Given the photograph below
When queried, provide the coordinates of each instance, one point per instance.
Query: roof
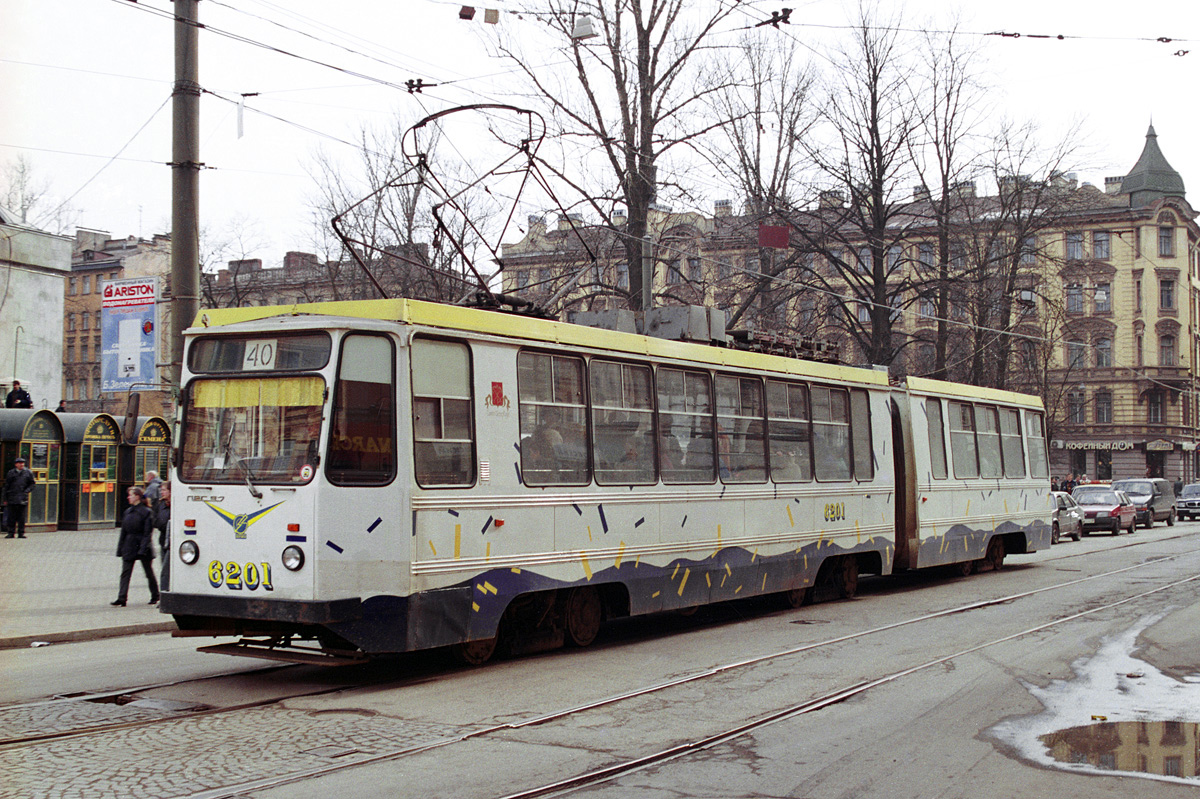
(1152, 177)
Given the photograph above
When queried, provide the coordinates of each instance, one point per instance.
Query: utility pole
(185, 181)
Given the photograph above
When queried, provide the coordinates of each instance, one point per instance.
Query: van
(1154, 498)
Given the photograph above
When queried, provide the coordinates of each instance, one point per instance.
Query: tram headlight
(293, 558)
(189, 553)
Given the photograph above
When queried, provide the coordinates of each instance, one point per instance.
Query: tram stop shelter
(89, 473)
(148, 451)
(36, 436)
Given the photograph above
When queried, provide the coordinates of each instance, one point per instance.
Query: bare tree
(632, 96)
(29, 197)
(862, 155)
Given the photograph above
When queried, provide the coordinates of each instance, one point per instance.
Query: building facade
(34, 266)
(97, 258)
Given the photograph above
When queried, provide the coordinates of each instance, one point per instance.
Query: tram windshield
(261, 429)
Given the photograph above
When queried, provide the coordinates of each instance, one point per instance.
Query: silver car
(1188, 501)
(1068, 517)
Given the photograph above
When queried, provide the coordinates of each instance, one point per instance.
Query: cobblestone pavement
(66, 715)
(189, 755)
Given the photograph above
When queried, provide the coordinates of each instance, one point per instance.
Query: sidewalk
(56, 587)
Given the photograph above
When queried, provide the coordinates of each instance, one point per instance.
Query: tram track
(678, 750)
(393, 682)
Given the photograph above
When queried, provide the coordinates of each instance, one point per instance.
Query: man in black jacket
(18, 397)
(18, 484)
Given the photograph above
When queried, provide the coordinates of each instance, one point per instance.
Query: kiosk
(149, 451)
(36, 436)
(89, 493)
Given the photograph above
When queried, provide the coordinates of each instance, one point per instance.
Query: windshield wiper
(254, 492)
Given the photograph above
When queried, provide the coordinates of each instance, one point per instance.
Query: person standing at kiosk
(18, 484)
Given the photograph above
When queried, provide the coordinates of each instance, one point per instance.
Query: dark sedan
(1105, 509)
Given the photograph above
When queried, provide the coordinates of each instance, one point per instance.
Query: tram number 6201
(236, 576)
(835, 512)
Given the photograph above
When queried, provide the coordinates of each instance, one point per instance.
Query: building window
(894, 254)
(674, 276)
(1029, 354)
(1104, 353)
(1074, 246)
(925, 255)
(1154, 409)
(808, 309)
(1101, 245)
(1074, 298)
(1166, 351)
(623, 276)
(1166, 294)
(864, 313)
(1103, 407)
(1076, 355)
(72, 286)
(83, 351)
(724, 270)
(1029, 250)
(693, 273)
(87, 284)
(1137, 295)
(70, 323)
(98, 320)
(1103, 298)
(1166, 245)
(1137, 347)
(85, 320)
(927, 307)
(864, 261)
(71, 353)
(1076, 408)
(523, 278)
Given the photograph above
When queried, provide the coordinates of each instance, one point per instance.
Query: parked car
(1188, 501)
(1154, 498)
(1068, 517)
(1105, 508)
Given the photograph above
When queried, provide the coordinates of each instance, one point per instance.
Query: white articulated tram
(364, 478)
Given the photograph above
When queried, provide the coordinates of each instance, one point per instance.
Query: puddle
(1118, 713)
(1146, 747)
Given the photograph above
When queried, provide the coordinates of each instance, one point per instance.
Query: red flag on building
(773, 236)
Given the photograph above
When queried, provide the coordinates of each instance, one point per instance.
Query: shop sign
(1161, 445)
(1116, 446)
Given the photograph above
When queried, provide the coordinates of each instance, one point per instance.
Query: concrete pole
(185, 181)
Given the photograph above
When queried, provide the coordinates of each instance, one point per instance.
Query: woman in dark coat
(136, 544)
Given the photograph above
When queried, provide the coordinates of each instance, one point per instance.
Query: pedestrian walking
(62, 407)
(162, 521)
(18, 397)
(136, 544)
(18, 485)
(153, 485)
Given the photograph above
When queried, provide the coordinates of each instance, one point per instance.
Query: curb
(24, 641)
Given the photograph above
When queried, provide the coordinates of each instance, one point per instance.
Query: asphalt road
(922, 686)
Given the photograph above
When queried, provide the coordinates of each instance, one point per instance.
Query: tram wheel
(964, 568)
(847, 576)
(795, 597)
(583, 615)
(995, 554)
(476, 653)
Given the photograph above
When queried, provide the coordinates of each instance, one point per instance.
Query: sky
(85, 88)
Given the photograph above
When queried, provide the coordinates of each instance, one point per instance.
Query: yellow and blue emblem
(240, 521)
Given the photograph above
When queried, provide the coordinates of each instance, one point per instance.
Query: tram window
(1035, 439)
(443, 437)
(987, 432)
(937, 438)
(860, 431)
(788, 430)
(553, 419)
(741, 450)
(304, 351)
(685, 427)
(622, 423)
(831, 433)
(364, 419)
(962, 440)
(1010, 443)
